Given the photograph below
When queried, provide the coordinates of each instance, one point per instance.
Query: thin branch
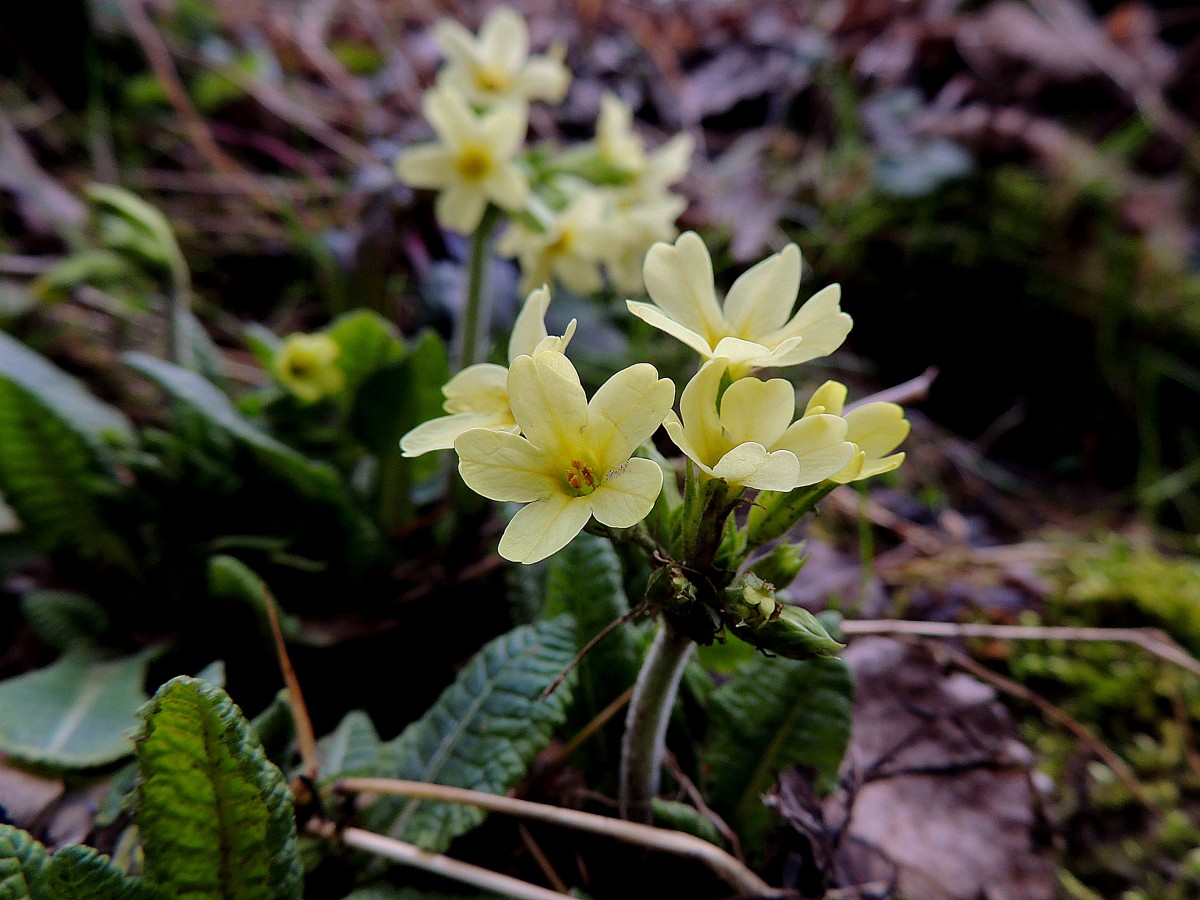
(304, 729)
(601, 719)
(912, 391)
(540, 858)
(686, 845)
(1151, 640)
(587, 648)
(408, 854)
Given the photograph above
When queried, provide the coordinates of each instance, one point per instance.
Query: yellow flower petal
(820, 322)
(482, 387)
(544, 527)
(503, 129)
(625, 411)
(830, 397)
(460, 207)
(819, 444)
(628, 494)
(655, 317)
(543, 78)
(754, 410)
(761, 298)
(683, 441)
(426, 166)
(440, 433)
(877, 428)
(530, 328)
(750, 464)
(548, 401)
(698, 409)
(504, 39)
(447, 111)
(679, 279)
(503, 466)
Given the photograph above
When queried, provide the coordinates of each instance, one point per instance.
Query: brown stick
(724, 865)
(304, 730)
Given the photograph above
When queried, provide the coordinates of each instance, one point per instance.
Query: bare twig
(601, 719)
(587, 648)
(698, 801)
(1151, 640)
(304, 729)
(912, 391)
(408, 854)
(540, 858)
(159, 57)
(686, 845)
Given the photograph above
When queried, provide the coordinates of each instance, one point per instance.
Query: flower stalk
(476, 313)
(646, 722)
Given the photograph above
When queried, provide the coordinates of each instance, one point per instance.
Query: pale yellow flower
(635, 228)
(749, 438)
(752, 329)
(477, 397)
(876, 429)
(306, 364)
(496, 67)
(618, 145)
(473, 162)
(569, 250)
(574, 460)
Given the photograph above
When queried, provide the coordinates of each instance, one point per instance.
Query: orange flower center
(581, 478)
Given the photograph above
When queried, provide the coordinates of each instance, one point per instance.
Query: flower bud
(757, 617)
(781, 565)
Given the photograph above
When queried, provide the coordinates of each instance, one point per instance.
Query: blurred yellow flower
(472, 163)
(496, 67)
(306, 364)
(749, 438)
(574, 460)
(752, 329)
(619, 146)
(477, 397)
(569, 250)
(876, 429)
(634, 227)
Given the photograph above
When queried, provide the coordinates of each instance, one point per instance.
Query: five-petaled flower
(876, 429)
(477, 397)
(569, 249)
(573, 459)
(496, 67)
(748, 437)
(306, 364)
(473, 162)
(752, 330)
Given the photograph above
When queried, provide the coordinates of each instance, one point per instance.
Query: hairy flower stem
(473, 324)
(646, 722)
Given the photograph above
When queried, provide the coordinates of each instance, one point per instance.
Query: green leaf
(218, 411)
(773, 714)
(368, 342)
(81, 873)
(64, 619)
(584, 579)
(353, 748)
(56, 466)
(482, 733)
(230, 577)
(215, 815)
(75, 713)
(263, 343)
(682, 817)
(23, 864)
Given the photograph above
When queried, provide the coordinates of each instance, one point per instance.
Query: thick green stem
(646, 723)
(473, 325)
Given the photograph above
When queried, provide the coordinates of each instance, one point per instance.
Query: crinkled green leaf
(75, 713)
(230, 577)
(64, 619)
(353, 748)
(482, 733)
(56, 465)
(771, 715)
(686, 818)
(215, 814)
(218, 411)
(82, 873)
(23, 863)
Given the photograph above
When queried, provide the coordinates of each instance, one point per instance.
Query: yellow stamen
(474, 163)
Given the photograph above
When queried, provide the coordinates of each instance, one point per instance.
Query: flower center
(581, 478)
(561, 244)
(495, 80)
(473, 163)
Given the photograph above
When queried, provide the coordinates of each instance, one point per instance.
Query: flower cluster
(575, 216)
(528, 433)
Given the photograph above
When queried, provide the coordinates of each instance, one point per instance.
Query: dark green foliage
(56, 466)
(482, 733)
(75, 713)
(773, 714)
(81, 873)
(353, 748)
(23, 863)
(215, 815)
(64, 619)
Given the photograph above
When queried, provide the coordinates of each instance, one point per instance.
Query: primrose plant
(530, 435)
